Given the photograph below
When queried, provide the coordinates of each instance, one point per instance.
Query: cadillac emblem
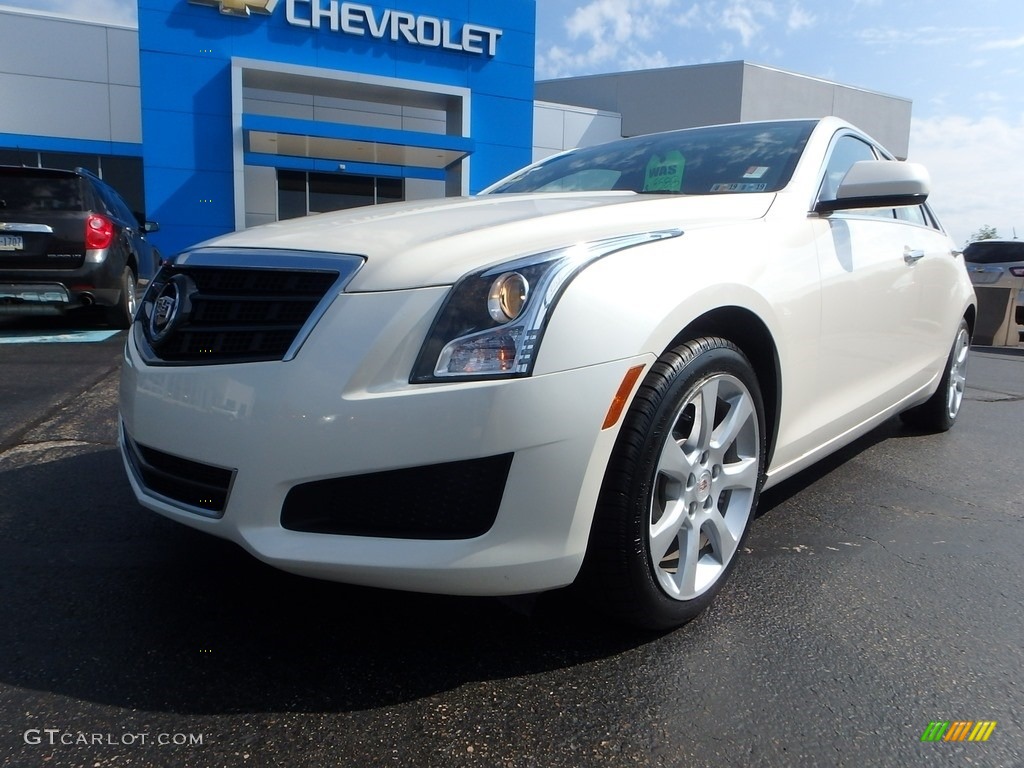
(171, 307)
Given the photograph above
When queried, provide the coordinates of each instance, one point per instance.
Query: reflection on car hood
(410, 245)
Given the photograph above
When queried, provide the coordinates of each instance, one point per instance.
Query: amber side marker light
(622, 396)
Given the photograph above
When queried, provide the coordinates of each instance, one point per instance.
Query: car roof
(24, 170)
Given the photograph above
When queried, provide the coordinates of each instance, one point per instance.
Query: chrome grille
(216, 307)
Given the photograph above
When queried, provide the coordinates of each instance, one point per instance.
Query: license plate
(11, 242)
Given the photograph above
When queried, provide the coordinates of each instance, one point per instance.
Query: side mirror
(879, 184)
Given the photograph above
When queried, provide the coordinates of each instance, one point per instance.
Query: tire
(681, 487)
(121, 314)
(938, 413)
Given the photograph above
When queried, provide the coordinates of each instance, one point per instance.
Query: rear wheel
(120, 315)
(681, 487)
(939, 412)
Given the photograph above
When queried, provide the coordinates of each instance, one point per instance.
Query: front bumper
(343, 408)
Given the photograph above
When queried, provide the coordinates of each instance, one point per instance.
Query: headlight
(508, 297)
(491, 324)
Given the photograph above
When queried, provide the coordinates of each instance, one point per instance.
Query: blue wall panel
(186, 51)
(196, 198)
(188, 141)
(190, 85)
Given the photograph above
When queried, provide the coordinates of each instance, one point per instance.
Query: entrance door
(300, 193)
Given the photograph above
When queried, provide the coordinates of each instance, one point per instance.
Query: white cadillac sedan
(585, 374)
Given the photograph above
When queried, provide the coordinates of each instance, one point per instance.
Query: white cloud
(605, 35)
(611, 33)
(745, 17)
(800, 19)
(924, 36)
(1002, 45)
(989, 98)
(601, 20)
(641, 60)
(972, 163)
(620, 20)
(690, 18)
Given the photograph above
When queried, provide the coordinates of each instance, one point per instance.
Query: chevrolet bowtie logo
(242, 8)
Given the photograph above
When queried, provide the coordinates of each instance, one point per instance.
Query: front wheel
(938, 413)
(681, 487)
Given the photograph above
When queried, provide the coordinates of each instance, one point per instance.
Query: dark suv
(68, 240)
(999, 264)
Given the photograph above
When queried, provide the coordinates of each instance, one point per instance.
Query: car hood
(417, 244)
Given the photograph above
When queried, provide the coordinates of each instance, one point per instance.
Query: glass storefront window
(291, 194)
(300, 193)
(335, 192)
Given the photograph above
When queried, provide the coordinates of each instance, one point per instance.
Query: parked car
(996, 263)
(585, 374)
(68, 240)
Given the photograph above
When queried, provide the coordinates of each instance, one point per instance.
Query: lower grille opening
(456, 500)
(189, 482)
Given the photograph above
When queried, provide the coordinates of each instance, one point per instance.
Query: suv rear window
(40, 193)
(992, 252)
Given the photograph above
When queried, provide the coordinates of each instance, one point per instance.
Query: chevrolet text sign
(364, 20)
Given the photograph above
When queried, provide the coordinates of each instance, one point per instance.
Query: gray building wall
(656, 99)
(733, 91)
(558, 127)
(772, 94)
(69, 79)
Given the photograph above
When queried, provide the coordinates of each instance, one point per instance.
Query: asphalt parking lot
(881, 591)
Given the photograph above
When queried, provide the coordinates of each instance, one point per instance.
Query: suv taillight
(99, 232)
(1017, 271)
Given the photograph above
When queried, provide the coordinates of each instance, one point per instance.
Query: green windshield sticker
(665, 175)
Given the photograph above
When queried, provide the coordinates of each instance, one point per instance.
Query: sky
(960, 62)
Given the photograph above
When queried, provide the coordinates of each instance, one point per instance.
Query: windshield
(722, 159)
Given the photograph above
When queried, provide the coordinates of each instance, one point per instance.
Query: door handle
(912, 256)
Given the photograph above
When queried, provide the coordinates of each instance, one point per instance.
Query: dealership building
(215, 115)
